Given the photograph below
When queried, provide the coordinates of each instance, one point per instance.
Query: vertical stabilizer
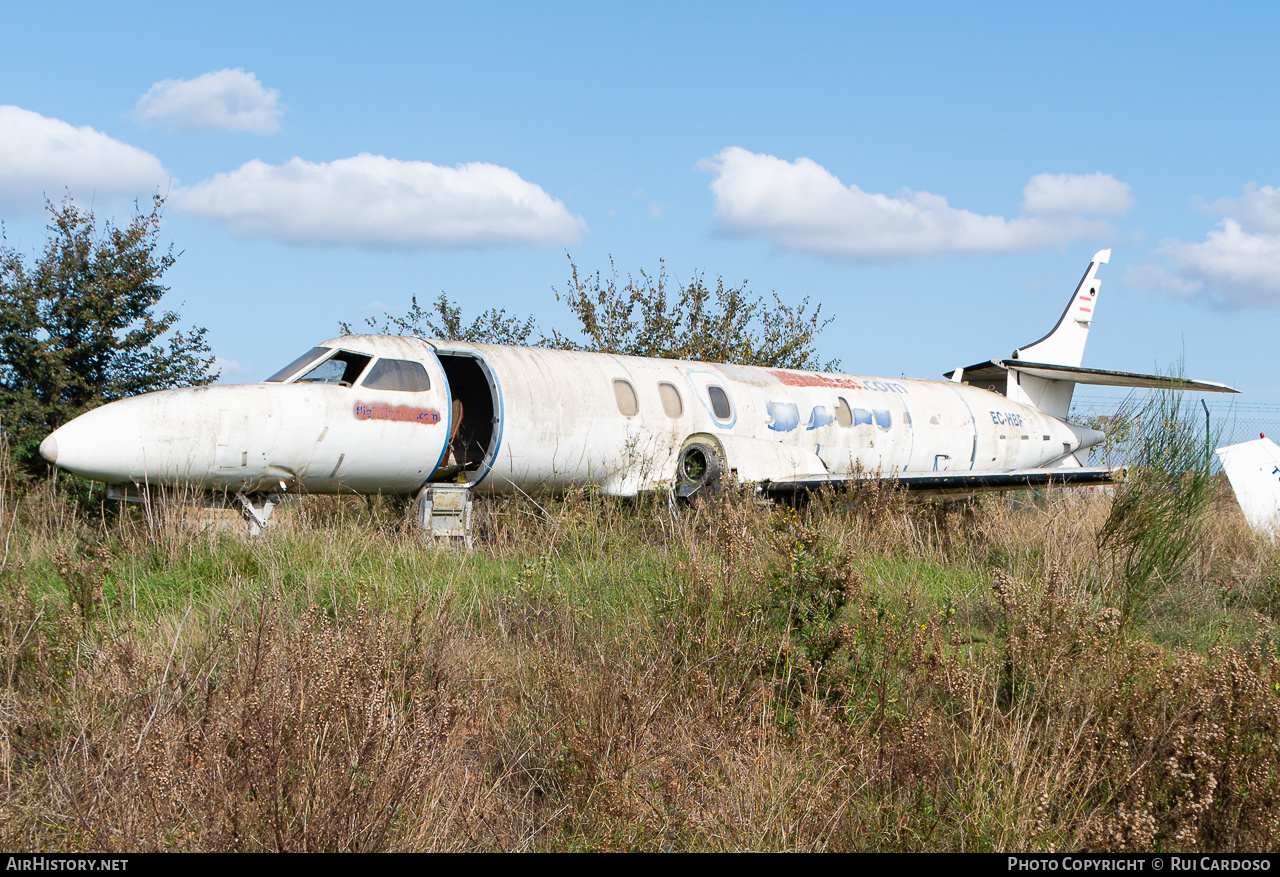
(1063, 346)
(1254, 470)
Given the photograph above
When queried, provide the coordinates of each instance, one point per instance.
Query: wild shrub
(642, 317)
(809, 584)
(1126, 746)
(309, 734)
(84, 571)
(1155, 525)
(79, 325)
(1185, 753)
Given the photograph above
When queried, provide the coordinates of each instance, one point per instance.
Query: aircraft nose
(49, 449)
(224, 436)
(97, 445)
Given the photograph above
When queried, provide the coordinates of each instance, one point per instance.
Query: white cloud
(1055, 194)
(382, 203)
(803, 206)
(48, 158)
(1258, 209)
(223, 100)
(1236, 265)
(1157, 277)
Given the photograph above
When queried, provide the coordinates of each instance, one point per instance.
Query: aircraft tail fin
(1254, 471)
(1044, 374)
(1065, 344)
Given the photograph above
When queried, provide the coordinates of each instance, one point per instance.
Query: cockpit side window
(292, 368)
(343, 368)
(398, 374)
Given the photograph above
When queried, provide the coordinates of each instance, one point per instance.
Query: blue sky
(936, 176)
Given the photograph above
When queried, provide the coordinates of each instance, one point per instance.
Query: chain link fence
(1228, 421)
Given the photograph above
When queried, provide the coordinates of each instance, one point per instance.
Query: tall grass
(1156, 521)
(860, 673)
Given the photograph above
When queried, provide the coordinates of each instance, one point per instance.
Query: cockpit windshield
(292, 368)
(343, 368)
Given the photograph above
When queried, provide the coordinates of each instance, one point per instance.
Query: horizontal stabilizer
(1107, 378)
(956, 483)
(995, 372)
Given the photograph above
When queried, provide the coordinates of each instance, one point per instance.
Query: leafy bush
(641, 317)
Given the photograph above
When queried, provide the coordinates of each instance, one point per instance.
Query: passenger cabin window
(671, 402)
(289, 370)
(343, 369)
(398, 374)
(844, 416)
(626, 396)
(719, 403)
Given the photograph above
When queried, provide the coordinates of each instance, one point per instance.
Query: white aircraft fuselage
(383, 414)
(550, 419)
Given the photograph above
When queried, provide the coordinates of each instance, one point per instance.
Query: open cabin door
(475, 419)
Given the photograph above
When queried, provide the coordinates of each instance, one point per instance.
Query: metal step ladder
(444, 513)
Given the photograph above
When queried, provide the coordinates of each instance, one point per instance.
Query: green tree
(79, 326)
(444, 320)
(697, 322)
(644, 317)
